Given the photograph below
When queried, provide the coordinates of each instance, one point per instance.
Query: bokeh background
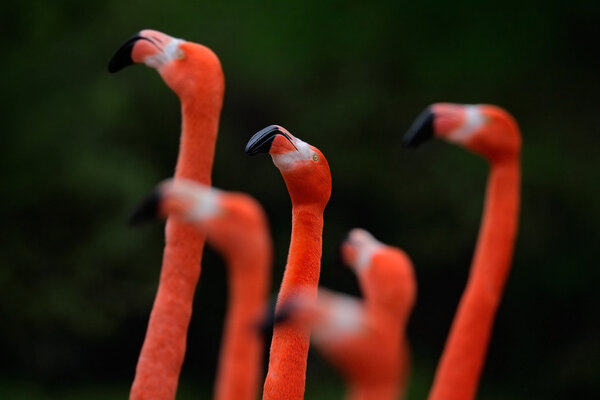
(81, 146)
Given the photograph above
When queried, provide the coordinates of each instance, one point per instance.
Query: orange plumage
(236, 226)
(365, 340)
(492, 133)
(307, 177)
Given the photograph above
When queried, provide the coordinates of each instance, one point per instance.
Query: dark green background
(80, 147)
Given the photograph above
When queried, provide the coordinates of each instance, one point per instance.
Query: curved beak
(151, 47)
(147, 209)
(122, 57)
(421, 130)
(262, 140)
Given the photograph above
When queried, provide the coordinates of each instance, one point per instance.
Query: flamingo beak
(274, 318)
(122, 57)
(262, 140)
(421, 130)
(147, 209)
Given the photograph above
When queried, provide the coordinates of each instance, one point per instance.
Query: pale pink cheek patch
(365, 247)
(302, 152)
(473, 121)
(344, 316)
(169, 52)
(203, 200)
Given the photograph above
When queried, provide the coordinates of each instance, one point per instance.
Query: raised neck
(163, 351)
(497, 234)
(462, 361)
(289, 347)
(304, 259)
(200, 121)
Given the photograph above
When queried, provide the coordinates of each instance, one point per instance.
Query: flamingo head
(304, 168)
(182, 199)
(385, 273)
(186, 67)
(233, 222)
(484, 129)
(330, 315)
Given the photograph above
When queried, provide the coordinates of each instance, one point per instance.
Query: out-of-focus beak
(151, 47)
(147, 209)
(421, 130)
(273, 318)
(122, 57)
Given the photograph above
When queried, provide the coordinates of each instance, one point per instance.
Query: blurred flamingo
(491, 132)
(194, 73)
(366, 339)
(308, 180)
(235, 225)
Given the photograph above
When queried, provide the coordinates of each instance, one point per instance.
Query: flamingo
(366, 339)
(194, 73)
(308, 180)
(491, 132)
(236, 225)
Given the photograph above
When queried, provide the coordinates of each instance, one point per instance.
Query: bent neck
(200, 120)
(289, 346)
(460, 366)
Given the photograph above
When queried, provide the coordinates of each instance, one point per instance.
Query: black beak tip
(146, 209)
(421, 130)
(261, 141)
(122, 57)
(273, 318)
(265, 326)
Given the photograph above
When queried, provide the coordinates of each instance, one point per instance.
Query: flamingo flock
(364, 339)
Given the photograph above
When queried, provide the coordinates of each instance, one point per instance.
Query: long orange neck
(289, 346)
(460, 366)
(199, 137)
(240, 363)
(162, 353)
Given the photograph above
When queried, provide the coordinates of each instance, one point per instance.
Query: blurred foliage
(80, 147)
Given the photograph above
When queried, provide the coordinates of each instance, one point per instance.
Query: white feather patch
(366, 245)
(203, 200)
(169, 52)
(343, 315)
(474, 120)
(205, 206)
(287, 160)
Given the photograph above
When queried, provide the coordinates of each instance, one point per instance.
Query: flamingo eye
(179, 54)
(315, 157)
